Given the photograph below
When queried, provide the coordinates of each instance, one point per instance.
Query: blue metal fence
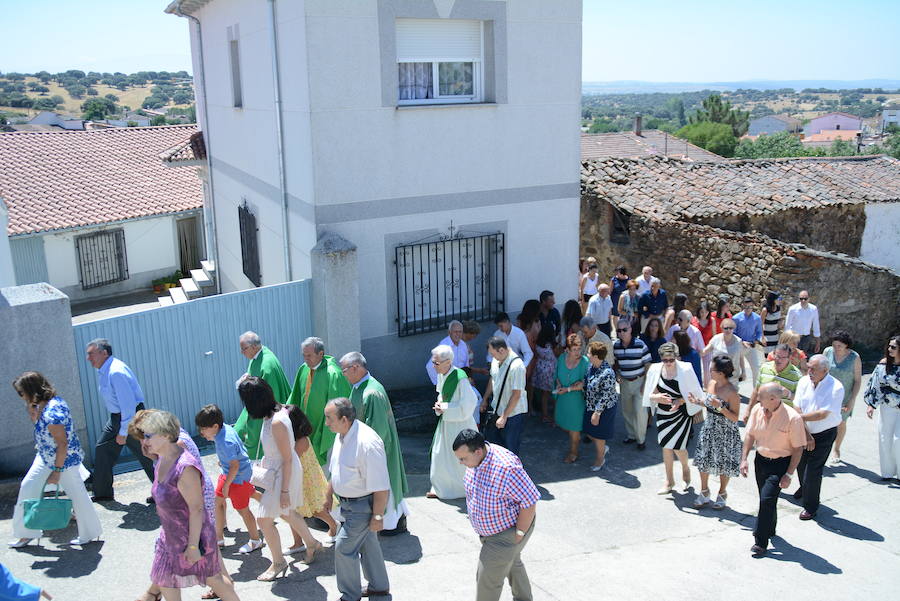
(187, 355)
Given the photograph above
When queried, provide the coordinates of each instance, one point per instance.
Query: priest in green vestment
(263, 364)
(373, 408)
(318, 380)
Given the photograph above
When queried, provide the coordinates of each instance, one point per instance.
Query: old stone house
(745, 227)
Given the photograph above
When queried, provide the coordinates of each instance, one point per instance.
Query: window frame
(234, 67)
(248, 230)
(89, 273)
(477, 96)
(619, 226)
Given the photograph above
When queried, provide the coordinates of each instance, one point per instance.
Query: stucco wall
(7, 275)
(151, 247)
(704, 262)
(832, 121)
(880, 237)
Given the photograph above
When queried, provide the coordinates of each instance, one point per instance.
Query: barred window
(452, 278)
(101, 258)
(620, 226)
(249, 244)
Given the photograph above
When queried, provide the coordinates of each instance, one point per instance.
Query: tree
(716, 110)
(92, 92)
(781, 144)
(714, 137)
(76, 90)
(892, 146)
(675, 107)
(158, 120)
(131, 124)
(153, 102)
(40, 89)
(112, 97)
(182, 97)
(842, 148)
(95, 109)
(44, 104)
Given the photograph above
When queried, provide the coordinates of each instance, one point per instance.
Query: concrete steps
(178, 296)
(165, 301)
(190, 287)
(201, 279)
(201, 283)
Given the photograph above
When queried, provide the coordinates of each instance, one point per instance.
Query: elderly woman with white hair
(454, 406)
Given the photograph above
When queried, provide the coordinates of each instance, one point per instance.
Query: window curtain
(416, 81)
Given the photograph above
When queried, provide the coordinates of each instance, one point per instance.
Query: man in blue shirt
(123, 397)
(653, 303)
(234, 481)
(748, 327)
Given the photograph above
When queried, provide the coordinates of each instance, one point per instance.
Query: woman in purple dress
(186, 551)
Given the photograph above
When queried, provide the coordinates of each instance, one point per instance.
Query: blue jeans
(509, 436)
(357, 545)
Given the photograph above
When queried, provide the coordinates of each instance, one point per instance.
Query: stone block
(335, 294)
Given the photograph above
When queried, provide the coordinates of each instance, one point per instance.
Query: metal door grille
(101, 258)
(453, 278)
(249, 244)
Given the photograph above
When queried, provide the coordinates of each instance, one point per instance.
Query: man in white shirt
(505, 395)
(818, 400)
(455, 341)
(514, 336)
(645, 280)
(360, 479)
(803, 318)
(600, 309)
(683, 322)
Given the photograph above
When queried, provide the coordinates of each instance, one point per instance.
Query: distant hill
(640, 87)
(66, 92)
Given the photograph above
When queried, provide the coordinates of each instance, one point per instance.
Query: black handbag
(491, 418)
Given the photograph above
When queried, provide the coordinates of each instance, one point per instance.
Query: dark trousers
(510, 435)
(606, 328)
(768, 475)
(107, 452)
(809, 471)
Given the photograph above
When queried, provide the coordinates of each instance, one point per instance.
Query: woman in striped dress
(771, 317)
(667, 387)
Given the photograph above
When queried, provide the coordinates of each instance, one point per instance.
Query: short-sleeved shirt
(787, 377)
(827, 395)
(631, 360)
(778, 437)
(358, 463)
(600, 308)
(56, 413)
(515, 381)
(229, 447)
(497, 490)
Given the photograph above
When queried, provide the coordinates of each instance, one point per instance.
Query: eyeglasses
(727, 328)
(349, 367)
(148, 435)
(439, 362)
(782, 357)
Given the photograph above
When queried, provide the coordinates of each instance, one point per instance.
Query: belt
(632, 379)
(761, 456)
(345, 499)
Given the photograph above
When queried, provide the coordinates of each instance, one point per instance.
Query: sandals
(702, 499)
(570, 458)
(209, 594)
(311, 553)
(720, 501)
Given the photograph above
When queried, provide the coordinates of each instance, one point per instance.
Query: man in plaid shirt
(501, 500)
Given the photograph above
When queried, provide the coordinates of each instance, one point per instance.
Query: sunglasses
(623, 329)
(668, 361)
(893, 347)
(149, 435)
(727, 328)
(804, 298)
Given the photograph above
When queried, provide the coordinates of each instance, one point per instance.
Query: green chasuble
(374, 409)
(328, 383)
(266, 366)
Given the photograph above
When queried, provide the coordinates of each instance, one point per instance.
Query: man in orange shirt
(778, 433)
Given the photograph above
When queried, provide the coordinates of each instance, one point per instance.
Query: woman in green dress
(846, 367)
(570, 370)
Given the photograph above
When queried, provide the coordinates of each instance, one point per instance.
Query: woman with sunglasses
(883, 393)
(727, 344)
(668, 384)
(58, 460)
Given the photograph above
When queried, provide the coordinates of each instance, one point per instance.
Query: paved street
(606, 536)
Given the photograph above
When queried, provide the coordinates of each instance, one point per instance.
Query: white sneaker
(251, 546)
(701, 501)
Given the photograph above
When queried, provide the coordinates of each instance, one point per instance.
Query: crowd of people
(327, 448)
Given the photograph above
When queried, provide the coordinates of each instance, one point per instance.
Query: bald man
(778, 433)
(600, 308)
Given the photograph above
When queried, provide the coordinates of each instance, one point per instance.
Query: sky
(645, 40)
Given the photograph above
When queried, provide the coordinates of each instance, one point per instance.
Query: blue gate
(188, 355)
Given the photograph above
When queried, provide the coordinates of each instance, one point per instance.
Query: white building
(98, 213)
(391, 122)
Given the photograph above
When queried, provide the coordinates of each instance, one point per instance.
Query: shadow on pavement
(781, 550)
(685, 503)
(848, 468)
(827, 518)
(401, 549)
(69, 562)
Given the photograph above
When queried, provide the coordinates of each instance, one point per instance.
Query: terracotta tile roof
(65, 179)
(829, 135)
(669, 189)
(191, 150)
(651, 142)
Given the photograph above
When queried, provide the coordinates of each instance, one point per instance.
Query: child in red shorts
(234, 482)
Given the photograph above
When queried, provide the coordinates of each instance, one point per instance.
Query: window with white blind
(440, 61)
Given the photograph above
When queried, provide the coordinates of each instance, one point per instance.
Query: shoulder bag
(491, 421)
(262, 477)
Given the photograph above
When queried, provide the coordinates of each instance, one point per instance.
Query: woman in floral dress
(600, 400)
(883, 393)
(545, 369)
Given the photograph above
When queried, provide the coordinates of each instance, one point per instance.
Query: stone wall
(704, 261)
(837, 228)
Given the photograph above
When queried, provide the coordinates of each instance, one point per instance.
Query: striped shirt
(631, 360)
(788, 377)
(497, 490)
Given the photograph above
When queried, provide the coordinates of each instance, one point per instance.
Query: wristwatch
(378, 517)
(519, 532)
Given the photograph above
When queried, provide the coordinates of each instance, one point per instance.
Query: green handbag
(50, 513)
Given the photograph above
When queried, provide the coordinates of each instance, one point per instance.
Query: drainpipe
(209, 213)
(279, 135)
